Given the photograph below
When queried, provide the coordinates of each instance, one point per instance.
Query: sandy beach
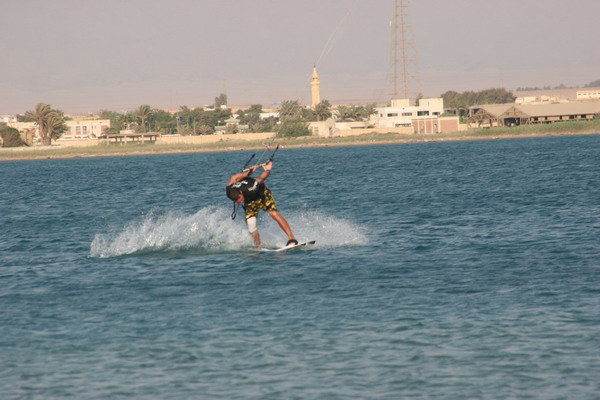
(120, 150)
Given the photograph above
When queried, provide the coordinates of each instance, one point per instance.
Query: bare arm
(242, 175)
(266, 171)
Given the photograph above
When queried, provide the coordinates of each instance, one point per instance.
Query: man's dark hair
(233, 193)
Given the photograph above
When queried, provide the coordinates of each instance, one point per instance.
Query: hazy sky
(87, 55)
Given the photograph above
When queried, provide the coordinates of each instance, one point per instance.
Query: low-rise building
(8, 118)
(589, 94)
(540, 100)
(401, 114)
(436, 125)
(77, 129)
(327, 128)
(487, 115)
(528, 114)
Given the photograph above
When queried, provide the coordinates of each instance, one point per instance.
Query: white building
(8, 118)
(401, 113)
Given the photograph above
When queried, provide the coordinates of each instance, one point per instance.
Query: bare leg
(256, 236)
(283, 224)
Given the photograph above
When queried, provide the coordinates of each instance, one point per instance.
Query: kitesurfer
(254, 195)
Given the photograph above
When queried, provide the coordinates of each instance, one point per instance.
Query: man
(255, 195)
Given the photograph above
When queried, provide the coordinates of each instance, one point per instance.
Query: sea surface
(464, 270)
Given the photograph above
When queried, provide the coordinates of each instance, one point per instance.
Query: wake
(211, 230)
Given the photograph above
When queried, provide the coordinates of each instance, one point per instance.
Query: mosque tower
(315, 87)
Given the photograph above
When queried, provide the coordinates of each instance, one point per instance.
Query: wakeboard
(289, 247)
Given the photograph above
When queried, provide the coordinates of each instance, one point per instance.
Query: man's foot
(292, 241)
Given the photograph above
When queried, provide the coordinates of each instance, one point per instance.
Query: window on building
(407, 114)
(392, 115)
(422, 113)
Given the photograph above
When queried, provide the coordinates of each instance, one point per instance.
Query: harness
(251, 195)
(251, 190)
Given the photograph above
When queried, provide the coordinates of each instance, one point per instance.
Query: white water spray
(211, 230)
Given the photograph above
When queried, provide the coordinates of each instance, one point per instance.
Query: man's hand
(267, 170)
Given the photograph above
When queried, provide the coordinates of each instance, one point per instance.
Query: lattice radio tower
(403, 63)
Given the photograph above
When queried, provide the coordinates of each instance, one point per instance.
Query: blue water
(441, 270)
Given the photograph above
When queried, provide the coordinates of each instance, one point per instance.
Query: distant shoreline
(62, 152)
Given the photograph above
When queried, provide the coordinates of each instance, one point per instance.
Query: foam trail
(210, 229)
(328, 231)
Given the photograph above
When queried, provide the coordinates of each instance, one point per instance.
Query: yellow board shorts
(266, 203)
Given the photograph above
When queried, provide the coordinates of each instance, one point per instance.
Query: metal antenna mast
(401, 60)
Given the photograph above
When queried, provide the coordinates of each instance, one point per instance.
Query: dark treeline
(464, 100)
(592, 84)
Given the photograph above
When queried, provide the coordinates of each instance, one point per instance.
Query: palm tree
(125, 120)
(289, 109)
(368, 110)
(56, 125)
(51, 123)
(39, 116)
(323, 110)
(344, 113)
(143, 113)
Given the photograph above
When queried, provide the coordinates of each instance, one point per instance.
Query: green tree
(163, 122)
(10, 137)
(204, 129)
(323, 110)
(220, 100)
(294, 127)
(24, 118)
(593, 84)
(143, 113)
(219, 116)
(292, 121)
(251, 116)
(50, 122)
(56, 125)
(344, 113)
(462, 101)
(367, 110)
(255, 109)
(107, 114)
(116, 121)
(290, 109)
(127, 120)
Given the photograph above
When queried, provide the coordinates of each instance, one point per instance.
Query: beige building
(77, 129)
(591, 94)
(539, 100)
(528, 114)
(325, 128)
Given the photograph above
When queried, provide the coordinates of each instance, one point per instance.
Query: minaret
(315, 87)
